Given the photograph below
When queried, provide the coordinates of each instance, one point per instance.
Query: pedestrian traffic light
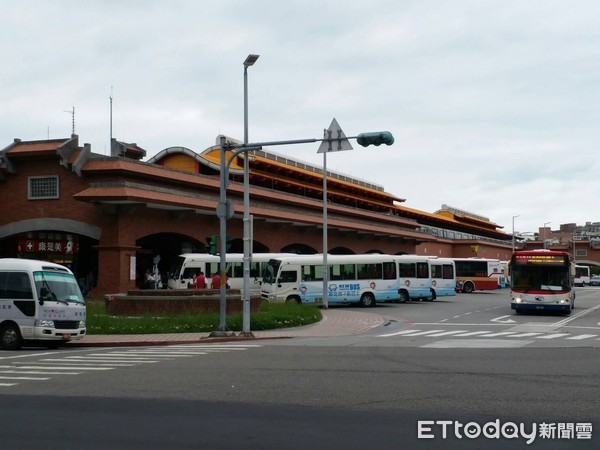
(212, 244)
(375, 138)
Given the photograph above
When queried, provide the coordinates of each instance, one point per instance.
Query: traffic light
(212, 244)
(375, 138)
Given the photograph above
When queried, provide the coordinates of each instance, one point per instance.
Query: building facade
(110, 218)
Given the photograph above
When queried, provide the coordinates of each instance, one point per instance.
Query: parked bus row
(362, 279)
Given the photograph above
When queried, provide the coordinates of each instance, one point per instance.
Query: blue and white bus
(414, 275)
(362, 279)
(443, 277)
(425, 277)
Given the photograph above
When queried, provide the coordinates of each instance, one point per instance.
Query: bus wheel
(11, 337)
(403, 296)
(293, 299)
(367, 300)
(468, 287)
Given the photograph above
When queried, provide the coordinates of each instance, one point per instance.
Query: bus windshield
(61, 287)
(270, 271)
(540, 278)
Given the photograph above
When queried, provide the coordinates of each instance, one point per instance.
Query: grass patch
(271, 316)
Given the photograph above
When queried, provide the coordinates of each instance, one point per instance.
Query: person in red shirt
(201, 281)
(215, 283)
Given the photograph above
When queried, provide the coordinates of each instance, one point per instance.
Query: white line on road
(64, 368)
(501, 333)
(472, 333)
(552, 336)
(446, 333)
(25, 378)
(398, 333)
(583, 336)
(520, 335)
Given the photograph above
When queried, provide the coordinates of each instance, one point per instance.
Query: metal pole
(513, 233)
(247, 244)
(325, 244)
(574, 253)
(223, 212)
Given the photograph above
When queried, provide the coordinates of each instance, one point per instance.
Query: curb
(335, 323)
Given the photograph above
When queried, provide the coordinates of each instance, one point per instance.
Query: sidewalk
(336, 322)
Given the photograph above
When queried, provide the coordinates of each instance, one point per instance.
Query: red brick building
(109, 217)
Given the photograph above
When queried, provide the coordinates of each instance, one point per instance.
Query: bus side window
(288, 276)
(18, 286)
(422, 270)
(389, 271)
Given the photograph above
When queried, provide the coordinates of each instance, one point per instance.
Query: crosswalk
(489, 334)
(44, 367)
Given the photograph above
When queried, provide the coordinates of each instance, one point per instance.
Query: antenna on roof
(111, 117)
(72, 112)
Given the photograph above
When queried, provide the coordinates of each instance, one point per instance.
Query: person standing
(193, 284)
(215, 282)
(201, 281)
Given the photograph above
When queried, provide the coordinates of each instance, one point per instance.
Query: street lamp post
(513, 232)
(250, 60)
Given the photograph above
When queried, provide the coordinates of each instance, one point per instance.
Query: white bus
(582, 275)
(425, 277)
(189, 264)
(362, 279)
(443, 277)
(414, 275)
(39, 302)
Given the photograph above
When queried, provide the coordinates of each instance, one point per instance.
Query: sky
(494, 105)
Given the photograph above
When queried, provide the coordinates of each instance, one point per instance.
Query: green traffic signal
(212, 244)
(375, 138)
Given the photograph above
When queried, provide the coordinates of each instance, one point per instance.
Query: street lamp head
(250, 60)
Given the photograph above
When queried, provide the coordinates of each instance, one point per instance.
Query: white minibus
(189, 264)
(362, 279)
(443, 277)
(40, 302)
(414, 274)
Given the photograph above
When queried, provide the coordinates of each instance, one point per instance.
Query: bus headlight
(44, 323)
(82, 324)
(517, 300)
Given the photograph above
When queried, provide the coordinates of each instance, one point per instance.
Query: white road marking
(446, 333)
(582, 336)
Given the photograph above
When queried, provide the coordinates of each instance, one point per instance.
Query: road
(367, 391)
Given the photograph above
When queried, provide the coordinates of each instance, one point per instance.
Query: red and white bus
(582, 275)
(477, 274)
(542, 280)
